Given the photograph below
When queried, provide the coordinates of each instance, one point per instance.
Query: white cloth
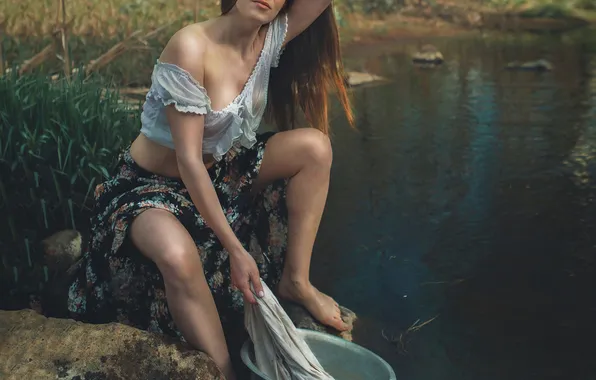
(280, 351)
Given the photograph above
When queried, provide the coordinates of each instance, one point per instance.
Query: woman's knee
(164, 240)
(317, 147)
(180, 266)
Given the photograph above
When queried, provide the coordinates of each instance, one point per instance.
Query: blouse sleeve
(279, 29)
(173, 85)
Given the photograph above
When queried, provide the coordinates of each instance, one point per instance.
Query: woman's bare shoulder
(187, 49)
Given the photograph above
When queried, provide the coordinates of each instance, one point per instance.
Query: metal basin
(341, 359)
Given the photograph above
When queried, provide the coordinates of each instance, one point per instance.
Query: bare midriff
(157, 158)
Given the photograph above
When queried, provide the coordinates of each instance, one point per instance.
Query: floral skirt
(114, 282)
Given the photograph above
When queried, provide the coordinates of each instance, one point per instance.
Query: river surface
(467, 195)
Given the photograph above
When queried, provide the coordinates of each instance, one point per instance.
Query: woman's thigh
(160, 236)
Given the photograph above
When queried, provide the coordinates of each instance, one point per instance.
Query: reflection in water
(468, 193)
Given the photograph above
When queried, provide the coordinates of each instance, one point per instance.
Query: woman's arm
(187, 134)
(302, 14)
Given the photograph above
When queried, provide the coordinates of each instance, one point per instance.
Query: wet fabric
(114, 282)
(280, 351)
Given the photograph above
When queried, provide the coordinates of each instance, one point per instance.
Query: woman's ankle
(295, 288)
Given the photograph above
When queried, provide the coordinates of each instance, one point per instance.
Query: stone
(62, 250)
(35, 347)
(539, 65)
(303, 320)
(354, 78)
(474, 19)
(428, 54)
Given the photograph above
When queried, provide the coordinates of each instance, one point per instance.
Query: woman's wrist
(233, 246)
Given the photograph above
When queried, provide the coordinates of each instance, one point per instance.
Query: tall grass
(95, 27)
(58, 140)
(106, 18)
(111, 18)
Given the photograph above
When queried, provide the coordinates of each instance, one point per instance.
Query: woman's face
(262, 10)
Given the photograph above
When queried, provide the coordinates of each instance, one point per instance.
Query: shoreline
(364, 31)
(91, 43)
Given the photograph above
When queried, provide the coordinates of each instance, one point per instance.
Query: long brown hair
(309, 68)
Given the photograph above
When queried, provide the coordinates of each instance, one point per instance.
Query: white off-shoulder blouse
(236, 123)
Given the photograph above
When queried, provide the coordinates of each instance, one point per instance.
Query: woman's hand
(244, 271)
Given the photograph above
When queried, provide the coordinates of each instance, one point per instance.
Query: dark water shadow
(467, 194)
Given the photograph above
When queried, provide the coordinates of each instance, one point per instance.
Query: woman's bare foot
(322, 307)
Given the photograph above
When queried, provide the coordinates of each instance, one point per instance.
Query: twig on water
(454, 282)
(415, 326)
(403, 339)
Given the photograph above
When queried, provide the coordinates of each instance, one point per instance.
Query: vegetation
(107, 19)
(57, 141)
(113, 18)
(59, 138)
(60, 135)
(542, 8)
(93, 28)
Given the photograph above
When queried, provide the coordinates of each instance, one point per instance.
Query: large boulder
(62, 252)
(35, 347)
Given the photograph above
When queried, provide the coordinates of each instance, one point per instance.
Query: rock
(302, 319)
(539, 65)
(354, 79)
(428, 54)
(35, 347)
(474, 19)
(62, 249)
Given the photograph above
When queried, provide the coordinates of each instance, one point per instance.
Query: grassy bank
(99, 34)
(120, 39)
(114, 18)
(541, 8)
(111, 19)
(57, 141)
(532, 9)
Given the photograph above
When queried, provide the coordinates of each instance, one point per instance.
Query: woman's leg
(304, 156)
(165, 241)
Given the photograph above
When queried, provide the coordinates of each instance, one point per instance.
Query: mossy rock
(35, 347)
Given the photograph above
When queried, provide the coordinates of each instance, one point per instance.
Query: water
(468, 194)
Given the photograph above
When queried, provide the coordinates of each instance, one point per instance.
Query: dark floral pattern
(116, 283)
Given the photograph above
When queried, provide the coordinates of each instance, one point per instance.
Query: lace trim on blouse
(234, 124)
(172, 85)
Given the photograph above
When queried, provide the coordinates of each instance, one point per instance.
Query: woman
(198, 189)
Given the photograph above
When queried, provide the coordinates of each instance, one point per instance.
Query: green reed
(58, 140)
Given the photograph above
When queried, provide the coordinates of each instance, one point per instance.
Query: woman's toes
(339, 324)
